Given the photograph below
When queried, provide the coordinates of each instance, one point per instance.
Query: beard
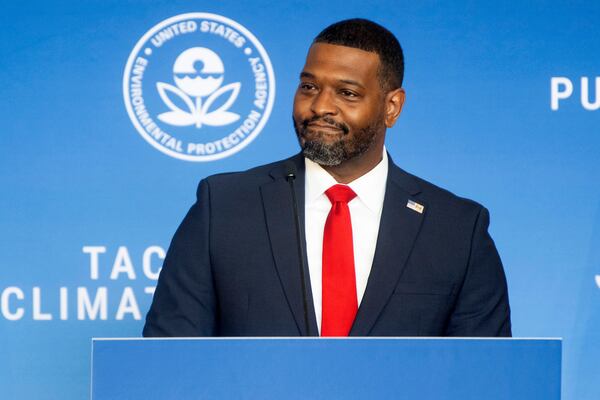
(349, 145)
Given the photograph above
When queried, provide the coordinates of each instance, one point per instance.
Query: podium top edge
(100, 339)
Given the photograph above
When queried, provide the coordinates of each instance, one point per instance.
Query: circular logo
(199, 87)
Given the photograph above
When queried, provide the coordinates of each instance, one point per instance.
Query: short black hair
(369, 36)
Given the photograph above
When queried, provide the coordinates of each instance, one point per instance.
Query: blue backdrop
(502, 107)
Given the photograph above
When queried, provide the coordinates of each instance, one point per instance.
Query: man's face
(339, 105)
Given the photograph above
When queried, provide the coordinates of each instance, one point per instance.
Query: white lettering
(150, 290)
(85, 306)
(122, 264)
(94, 251)
(174, 30)
(585, 96)
(146, 261)
(5, 305)
(128, 304)
(560, 88)
(38, 315)
(64, 297)
(223, 31)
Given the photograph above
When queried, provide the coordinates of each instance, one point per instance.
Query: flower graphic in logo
(198, 73)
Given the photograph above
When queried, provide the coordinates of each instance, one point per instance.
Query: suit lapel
(398, 228)
(279, 216)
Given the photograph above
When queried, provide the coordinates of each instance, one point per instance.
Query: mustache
(326, 121)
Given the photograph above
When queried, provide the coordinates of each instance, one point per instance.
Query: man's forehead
(325, 58)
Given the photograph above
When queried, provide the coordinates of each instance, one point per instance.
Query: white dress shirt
(365, 213)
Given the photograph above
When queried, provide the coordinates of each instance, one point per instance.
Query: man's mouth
(324, 127)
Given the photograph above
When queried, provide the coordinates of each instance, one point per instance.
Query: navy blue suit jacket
(233, 270)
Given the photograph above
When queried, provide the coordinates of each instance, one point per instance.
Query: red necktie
(339, 279)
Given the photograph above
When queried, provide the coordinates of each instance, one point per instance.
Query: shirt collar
(369, 188)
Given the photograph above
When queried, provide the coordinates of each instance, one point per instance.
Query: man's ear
(394, 101)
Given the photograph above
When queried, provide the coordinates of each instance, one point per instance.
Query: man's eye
(348, 93)
(306, 86)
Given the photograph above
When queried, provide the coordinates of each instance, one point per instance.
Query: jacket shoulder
(240, 183)
(438, 198)
(258, 173)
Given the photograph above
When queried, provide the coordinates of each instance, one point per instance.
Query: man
(387, 253)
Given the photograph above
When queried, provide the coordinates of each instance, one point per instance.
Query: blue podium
(317, 368)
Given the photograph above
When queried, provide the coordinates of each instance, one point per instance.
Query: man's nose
(324, 103)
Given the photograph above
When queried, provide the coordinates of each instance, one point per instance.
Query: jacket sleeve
(482, 308)
(184, 302)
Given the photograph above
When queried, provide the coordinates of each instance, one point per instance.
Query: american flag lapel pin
(415, 206)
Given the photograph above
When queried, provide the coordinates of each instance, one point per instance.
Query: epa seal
(199, 87)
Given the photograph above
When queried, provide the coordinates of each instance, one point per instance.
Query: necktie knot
(340, 193)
